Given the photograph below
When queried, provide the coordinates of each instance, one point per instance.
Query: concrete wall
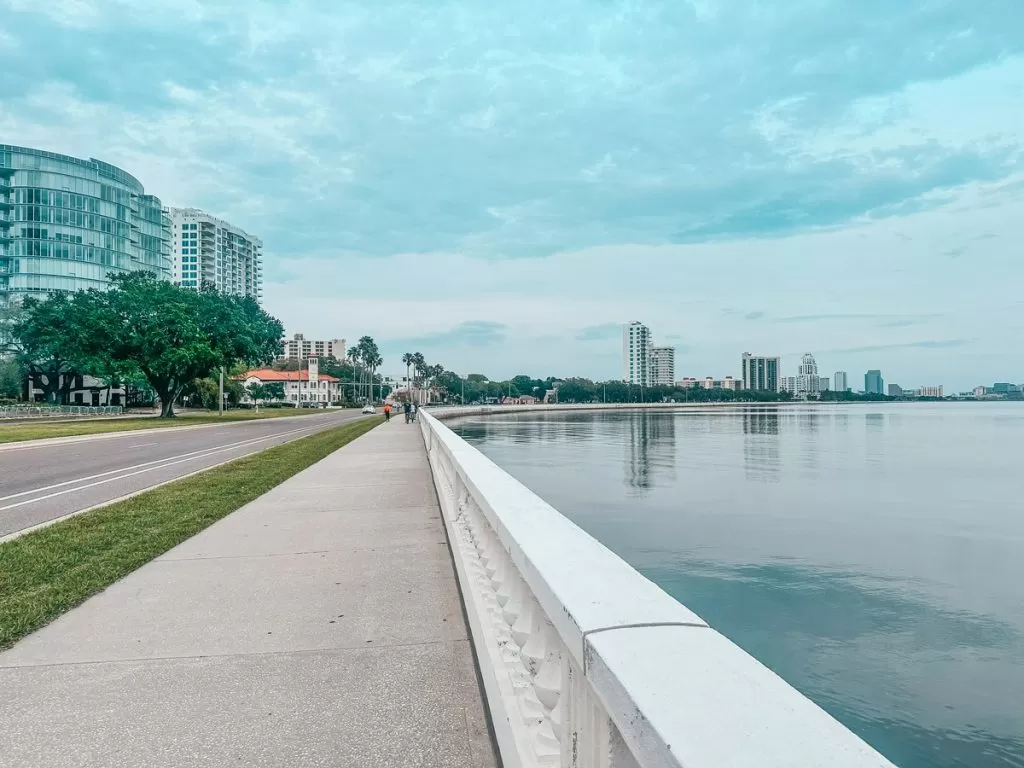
(587, 663)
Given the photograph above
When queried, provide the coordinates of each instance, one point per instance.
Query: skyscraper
(208, 250)
(663, 366)
(760, 373)
(807, 380)
(636, 354)
(839, 382)
(67, 223)
(873, 383)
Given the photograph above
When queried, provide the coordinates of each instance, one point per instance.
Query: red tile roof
(267, 374)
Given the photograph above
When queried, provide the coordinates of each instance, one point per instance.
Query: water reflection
(651, 447)
(869, 554)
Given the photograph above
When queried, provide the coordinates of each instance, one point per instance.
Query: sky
(501, 186)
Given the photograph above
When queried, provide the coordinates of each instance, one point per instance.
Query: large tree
(174, 335)
(47, 339)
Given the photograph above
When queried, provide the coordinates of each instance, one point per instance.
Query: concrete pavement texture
(320, 625)
(46, 480)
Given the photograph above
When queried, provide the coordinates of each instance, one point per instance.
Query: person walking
(408, 411)
(387, 412)
(414, 409)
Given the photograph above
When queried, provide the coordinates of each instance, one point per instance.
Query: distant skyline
(778, 176)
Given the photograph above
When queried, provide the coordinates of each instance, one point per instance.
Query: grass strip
(13, 433)
(51, 570)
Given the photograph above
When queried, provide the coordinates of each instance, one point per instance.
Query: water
(871, 555)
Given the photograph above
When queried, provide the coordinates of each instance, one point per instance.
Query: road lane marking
(167, 463)
(46, 442)
(194, 453)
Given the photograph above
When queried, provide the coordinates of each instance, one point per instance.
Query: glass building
(66, 224)
(761, 373)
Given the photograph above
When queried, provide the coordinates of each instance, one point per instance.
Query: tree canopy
(171, 335)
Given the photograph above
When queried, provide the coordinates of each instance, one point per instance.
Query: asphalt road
(42, 481)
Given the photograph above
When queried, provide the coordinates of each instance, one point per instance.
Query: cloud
(680, 163)
(928, 344)
(823, 318)
(600, 332)
(473, 333)
(886, 321)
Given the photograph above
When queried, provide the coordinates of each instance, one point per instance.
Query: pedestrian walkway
(320, 625)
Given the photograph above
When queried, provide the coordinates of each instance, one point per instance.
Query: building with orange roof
(307, 386)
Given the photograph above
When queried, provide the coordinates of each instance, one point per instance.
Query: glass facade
(761, 373)
(66, 224)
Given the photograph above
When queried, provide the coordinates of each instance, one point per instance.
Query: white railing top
(680, 693)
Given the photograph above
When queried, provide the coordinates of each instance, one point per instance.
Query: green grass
(12, 433)
(51, 570)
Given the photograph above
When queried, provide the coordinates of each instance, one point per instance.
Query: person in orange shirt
(387, 411)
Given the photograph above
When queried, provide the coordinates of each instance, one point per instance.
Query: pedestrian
(408, 411)
(387, 411)
(414, 409)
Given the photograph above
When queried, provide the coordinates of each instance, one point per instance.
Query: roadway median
(49, 571)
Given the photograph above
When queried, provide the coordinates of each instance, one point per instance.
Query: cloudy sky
(502, 185)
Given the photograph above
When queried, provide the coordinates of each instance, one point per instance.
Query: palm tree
(374, 365)
(353, 355)
(368, 354)
(419, 365)
(408, 358)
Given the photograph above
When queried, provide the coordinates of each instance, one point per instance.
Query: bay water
(872, 555)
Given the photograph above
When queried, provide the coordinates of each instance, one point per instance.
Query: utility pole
(220, 396)
(463, 390)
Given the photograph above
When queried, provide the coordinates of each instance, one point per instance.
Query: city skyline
(567, 197)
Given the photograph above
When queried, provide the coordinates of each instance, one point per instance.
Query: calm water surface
(871, 555)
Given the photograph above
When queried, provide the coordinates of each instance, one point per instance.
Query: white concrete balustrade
(588, 664)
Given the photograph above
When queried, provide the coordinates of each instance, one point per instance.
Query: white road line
(19, 533)
(139, 472)
(119, 470)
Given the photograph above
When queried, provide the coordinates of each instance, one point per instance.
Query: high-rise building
(824, 384)
(663, 366)
(208, 250)
(839, 382)
(760, 373)
(895, 390)
(300, 348)
(807, 381)
(636, 354)
(873, 383)
(67, 223)
(930, 391)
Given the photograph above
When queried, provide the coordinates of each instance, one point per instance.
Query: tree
(12, 378)
(47, 339)
(369, 356)
(408, 358)
(173, 335)
(273, 391)
(256, 391)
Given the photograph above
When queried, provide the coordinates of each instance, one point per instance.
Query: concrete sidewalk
(320, 625)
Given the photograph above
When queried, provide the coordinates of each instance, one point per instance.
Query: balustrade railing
(587, 664)
(57, 411)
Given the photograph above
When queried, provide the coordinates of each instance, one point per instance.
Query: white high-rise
(663, 366)
(839, 382)
(300, 348)
(636, 354)
(208, 250)
(807, 380)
